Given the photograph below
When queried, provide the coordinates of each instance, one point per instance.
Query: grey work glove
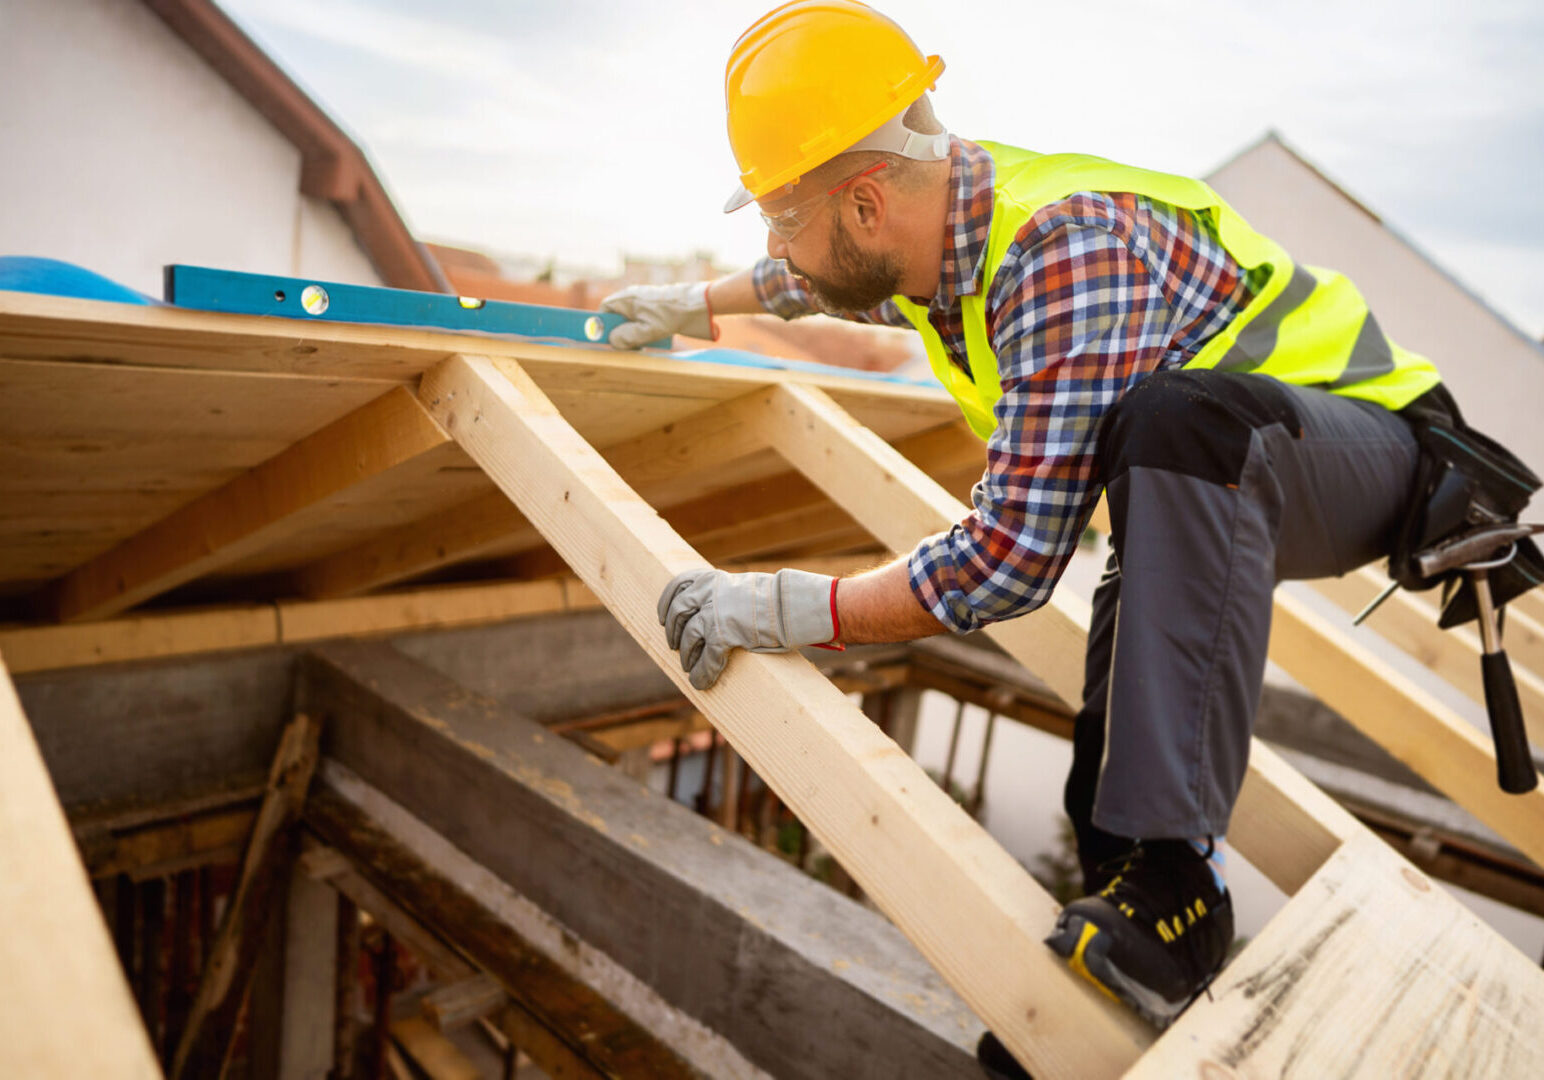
(657, 311)
(706, 613)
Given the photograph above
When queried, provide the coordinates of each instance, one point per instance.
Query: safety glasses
(786, 224)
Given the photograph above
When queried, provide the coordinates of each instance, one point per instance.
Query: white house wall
(123, 151)
(1496, 374)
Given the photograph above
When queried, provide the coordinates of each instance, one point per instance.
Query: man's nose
(777, 247)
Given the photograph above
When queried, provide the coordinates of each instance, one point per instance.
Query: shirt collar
(968, 224)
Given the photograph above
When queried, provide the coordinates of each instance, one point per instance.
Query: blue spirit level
(303, 298)
(205, 289)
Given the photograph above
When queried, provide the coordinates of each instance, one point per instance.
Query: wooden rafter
(971, 910)
(726, 523)
(55, 950)
(251, 511)
(1282, 823)
(1452, 654)
(1409, 723)
(712, 436)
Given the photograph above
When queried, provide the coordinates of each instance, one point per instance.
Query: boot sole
(1086, 948)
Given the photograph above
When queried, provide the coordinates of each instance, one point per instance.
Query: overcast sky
(583, 129)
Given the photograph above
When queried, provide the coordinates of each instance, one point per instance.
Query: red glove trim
(836, 624)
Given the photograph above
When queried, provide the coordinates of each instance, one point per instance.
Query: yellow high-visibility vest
(1307, 326)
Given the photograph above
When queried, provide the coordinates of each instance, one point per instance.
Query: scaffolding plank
(963, 901)
(1370, 971)
(1281, 824)
(54, 950)
(251, 511)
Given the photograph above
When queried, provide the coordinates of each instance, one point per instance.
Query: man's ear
(870, 205)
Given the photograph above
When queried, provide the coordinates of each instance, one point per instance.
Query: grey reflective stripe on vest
(1258, 340)
(1370, 356)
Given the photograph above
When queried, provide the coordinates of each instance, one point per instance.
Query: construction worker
(1104, 329)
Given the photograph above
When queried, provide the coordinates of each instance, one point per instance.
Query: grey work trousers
(1219, 486)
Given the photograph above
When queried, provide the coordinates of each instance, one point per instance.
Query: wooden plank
(1285, 837)
(591, 1025)
(1523, 637)
(551, 1054)
(169, 846)
(249, 512)
(1409, 723)
(91, 453)
(464, 532)
(1453, 654)
(307, 1024)
(731, 519)
(698, 936)
(140, 637)
(1370, 971)
(206, 1042)
(437, 1056)
(707, 438)
(463, 1001)
(292, 622)
(1530, 604)
(55, 949)
(970, 909)
(68, 330)
(438, 957)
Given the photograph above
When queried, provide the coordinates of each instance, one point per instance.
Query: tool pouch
(1463, 479)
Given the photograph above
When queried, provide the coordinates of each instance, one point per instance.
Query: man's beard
(863, 281)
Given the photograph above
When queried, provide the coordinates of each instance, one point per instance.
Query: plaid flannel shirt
(1095, 292)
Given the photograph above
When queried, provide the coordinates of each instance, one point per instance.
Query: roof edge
(333, 167)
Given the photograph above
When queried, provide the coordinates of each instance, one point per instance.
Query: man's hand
(657, 311)
(706, 613)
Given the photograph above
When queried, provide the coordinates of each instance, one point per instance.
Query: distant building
(138, 134)
(1495, 370)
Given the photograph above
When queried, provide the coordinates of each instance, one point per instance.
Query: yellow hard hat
(809, 80)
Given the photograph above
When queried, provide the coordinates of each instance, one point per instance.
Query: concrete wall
(1496, 373)
(122, 150)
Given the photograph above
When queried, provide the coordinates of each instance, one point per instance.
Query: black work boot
(995, 1060)
(1154, 934)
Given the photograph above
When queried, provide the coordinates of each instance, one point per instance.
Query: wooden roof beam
(972, 911)
(253, 510)
(1283, 824)
(1454, 655)
(713, 436)
(55, 949)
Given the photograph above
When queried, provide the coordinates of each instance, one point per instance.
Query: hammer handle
(1514, 762)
